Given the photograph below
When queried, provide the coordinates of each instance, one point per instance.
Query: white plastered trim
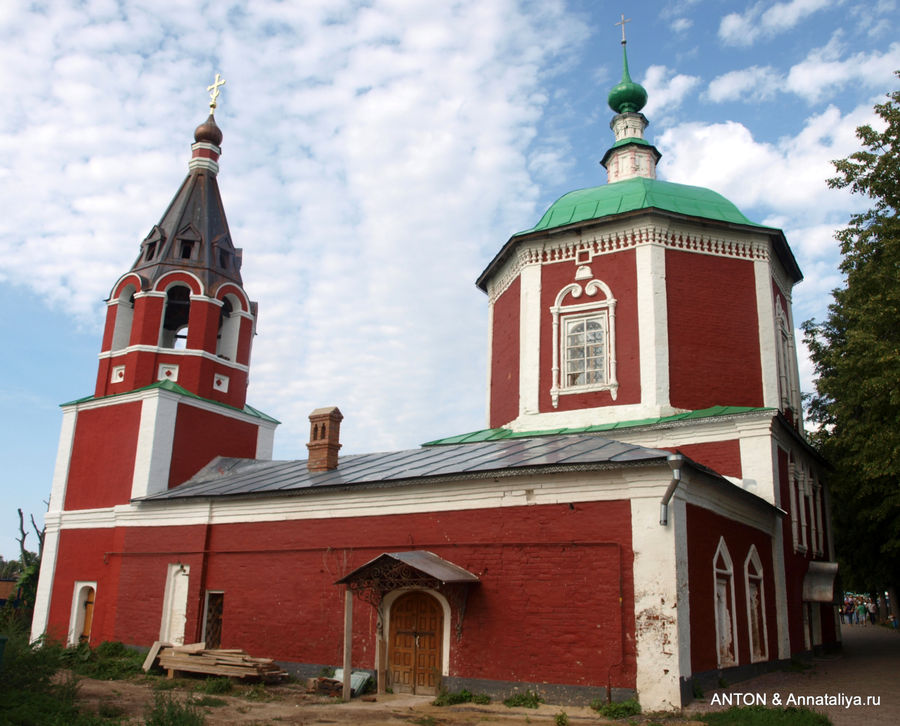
(63, 459)
(153, 454)
(753, 558)
(653, 331)
(728, 571)
(178, 352)
(76, 616)
(529, 339)
(657, 619)
(765, 312)
(50, 552)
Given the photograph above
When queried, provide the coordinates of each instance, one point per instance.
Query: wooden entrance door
(417, 627)
(85, 634)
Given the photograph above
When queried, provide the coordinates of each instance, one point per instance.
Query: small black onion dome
(209, 132)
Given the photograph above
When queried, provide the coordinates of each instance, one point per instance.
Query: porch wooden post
(381, 670)
(348, 640)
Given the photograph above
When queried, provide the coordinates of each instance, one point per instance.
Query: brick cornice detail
(582, 249)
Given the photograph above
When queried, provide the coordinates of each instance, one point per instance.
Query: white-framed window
(786, 361)
(81, 616)
(754, 587)
(724, 608)
(584, 336)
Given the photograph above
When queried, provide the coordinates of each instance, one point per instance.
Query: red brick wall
(102, 462)
(202, 435)
(721, 456)
(505, 357)
(704, 530)
(714, 356)
(548, 606)
(618, 271)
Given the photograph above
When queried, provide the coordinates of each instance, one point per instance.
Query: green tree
(856, 355)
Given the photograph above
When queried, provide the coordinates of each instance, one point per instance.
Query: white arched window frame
(724, 607)
(579, 363)
(230, 314)
(124, 318)
(754, 587)
(786, 360)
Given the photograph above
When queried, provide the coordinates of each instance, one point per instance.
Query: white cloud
(371, 156)
(822, 73)
(757, 83)
(682, 25)
(761, 21)
(665, 91)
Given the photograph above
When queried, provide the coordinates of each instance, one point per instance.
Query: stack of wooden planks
(232, 662)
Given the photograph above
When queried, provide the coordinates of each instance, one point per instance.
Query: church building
(642, 513)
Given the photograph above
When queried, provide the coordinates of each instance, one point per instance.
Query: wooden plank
(152, 655)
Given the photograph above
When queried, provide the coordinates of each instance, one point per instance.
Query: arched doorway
(416, 633)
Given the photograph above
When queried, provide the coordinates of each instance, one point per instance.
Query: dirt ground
(290, 704)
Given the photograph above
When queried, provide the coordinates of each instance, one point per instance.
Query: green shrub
(109, 661)
(528, 699)
(166, 711)
(622, 709)
(449, 698)
(562, 719)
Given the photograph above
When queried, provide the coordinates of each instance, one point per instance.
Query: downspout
(675, 461)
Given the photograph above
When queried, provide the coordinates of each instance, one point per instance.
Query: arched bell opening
(176, 314)
(229, 328)
(124, 318)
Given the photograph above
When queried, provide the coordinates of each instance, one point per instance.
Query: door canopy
(415, 569)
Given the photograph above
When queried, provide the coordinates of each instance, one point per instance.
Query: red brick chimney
(324, 438)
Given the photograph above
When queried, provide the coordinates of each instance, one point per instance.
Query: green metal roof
(501, 433)
(639, 193)
(175, 388)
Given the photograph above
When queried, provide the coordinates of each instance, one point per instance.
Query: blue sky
(376, 155)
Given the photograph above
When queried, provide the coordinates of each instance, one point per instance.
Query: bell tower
(181, 314)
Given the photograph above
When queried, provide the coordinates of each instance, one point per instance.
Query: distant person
(870, 606)
(861, 612)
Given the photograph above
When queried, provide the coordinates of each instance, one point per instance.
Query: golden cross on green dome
(622, 23)
(214, 89)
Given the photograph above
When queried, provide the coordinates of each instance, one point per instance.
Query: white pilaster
(657, 591)
(765, 310)
(265, 441)
(653, 331)
(529, 338)
(156, 436)
(45, 582)
(63, 458)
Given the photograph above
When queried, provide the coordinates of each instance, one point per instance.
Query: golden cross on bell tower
(621, 22)
(214, 88)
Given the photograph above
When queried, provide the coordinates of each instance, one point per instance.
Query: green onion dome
(627, 96)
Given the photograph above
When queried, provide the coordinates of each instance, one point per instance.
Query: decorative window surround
(167, 372)
(755, 591)
(599, 314)
(724, 607)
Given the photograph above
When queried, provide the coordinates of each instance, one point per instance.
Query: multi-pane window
(584, 354)
(584, 340)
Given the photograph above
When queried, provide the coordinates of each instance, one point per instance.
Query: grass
(109, 661)
(167, 711)
(29, 694)
(215, 685)
(526, 699)
(622, 709)
(763, 716)
(450, 698)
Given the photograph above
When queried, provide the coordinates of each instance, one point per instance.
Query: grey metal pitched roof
(425, 562)
(225, 477)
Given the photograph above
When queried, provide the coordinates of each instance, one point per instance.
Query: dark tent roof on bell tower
(193, 234)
